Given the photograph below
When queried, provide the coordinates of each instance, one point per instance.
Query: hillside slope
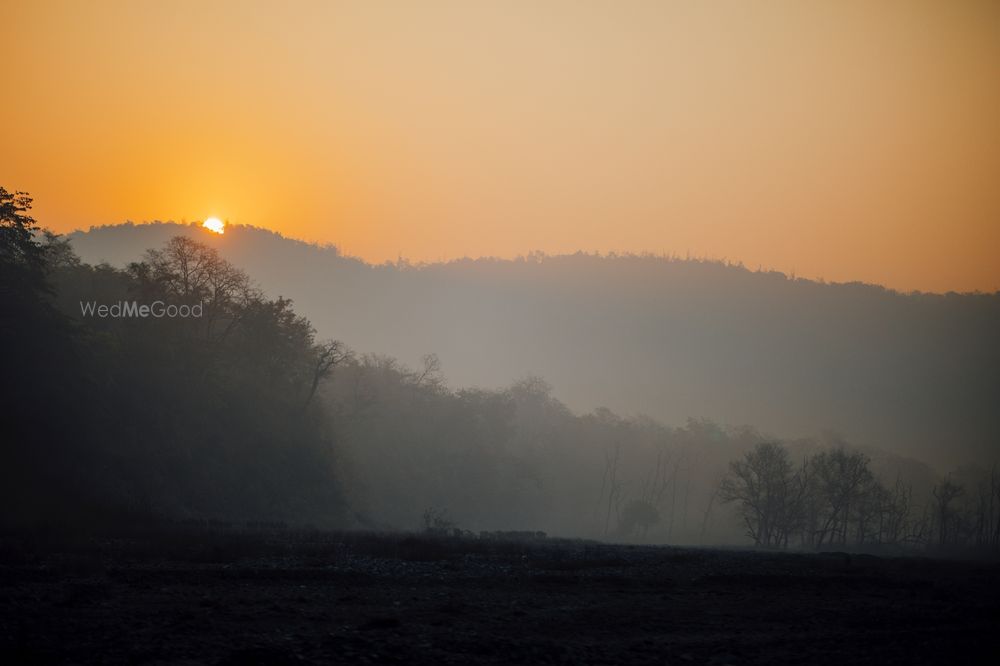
(915, 374)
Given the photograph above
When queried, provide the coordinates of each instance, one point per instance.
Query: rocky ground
(200, 597)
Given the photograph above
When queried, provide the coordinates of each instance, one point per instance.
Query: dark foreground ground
(203, 598)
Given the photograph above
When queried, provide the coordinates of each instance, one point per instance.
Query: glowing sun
(215, 224)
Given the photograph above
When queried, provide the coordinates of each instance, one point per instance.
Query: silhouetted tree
(842, 479)
(945, 493)
(767, 490)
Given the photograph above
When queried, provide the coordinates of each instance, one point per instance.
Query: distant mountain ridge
(918, 374)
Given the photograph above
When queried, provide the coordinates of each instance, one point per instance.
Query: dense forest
(241, 414)
(134, 418)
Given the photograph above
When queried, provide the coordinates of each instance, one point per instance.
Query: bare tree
(637, 517)
(430, 375)
(842, 478)
(945, 493)
(610, 483)
(191, 273)
(769, 493)
(328, 356)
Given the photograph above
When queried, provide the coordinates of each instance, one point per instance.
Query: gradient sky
(839, 140)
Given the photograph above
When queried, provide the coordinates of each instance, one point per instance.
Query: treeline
(834, 499)
(916, 374)
(241, 416)
(519, 459)
(112, 420)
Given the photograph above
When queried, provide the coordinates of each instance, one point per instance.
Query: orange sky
(843, 140)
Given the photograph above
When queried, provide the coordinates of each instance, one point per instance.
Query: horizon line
(405, 262)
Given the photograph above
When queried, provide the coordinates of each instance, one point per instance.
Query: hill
(915, 374)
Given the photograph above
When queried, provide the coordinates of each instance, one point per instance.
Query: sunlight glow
(215, 224)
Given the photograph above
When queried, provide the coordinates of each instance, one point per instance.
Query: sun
(215, 224)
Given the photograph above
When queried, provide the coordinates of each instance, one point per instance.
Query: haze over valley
(913, 374)
(500, 332)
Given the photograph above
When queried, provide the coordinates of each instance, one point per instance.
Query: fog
(912, 374)
(403, 447)
(504, 359)
(633, 398)
(623, 398)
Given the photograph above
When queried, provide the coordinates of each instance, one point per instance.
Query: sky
(843, 140)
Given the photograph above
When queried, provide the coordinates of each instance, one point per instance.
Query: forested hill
(918, 374)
